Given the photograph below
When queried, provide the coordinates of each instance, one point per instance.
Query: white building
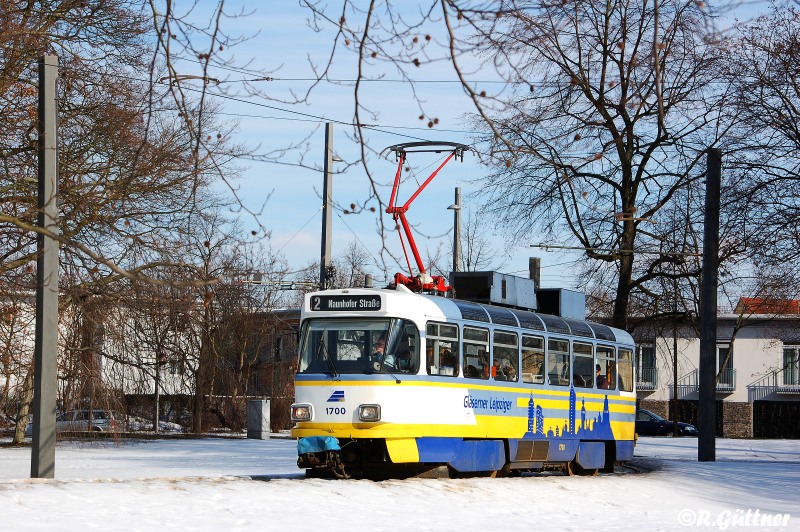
(756, 356)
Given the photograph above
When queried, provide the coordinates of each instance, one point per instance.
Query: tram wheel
(573, 468)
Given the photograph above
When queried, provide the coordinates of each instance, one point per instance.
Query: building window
(176, 366)
(791, 365)
(725, 363)
(646, 360)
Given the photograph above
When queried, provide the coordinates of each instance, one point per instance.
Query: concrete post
(43, 449)
(258, 421)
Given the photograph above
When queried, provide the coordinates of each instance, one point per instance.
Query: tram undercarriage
(370, 459)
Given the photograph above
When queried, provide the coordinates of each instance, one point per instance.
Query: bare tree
(600, 118)
(140, 144)
(350, 268)
(16, 351)
(763, 67)
(478, 252)
(597, 146)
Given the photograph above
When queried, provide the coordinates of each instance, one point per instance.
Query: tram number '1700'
(336, 410)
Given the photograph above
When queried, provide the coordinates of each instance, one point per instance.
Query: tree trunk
(622, 302)
(24, 408)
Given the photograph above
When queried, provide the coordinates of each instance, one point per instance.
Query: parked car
(79, 421)
(136, 423)
(650, 424)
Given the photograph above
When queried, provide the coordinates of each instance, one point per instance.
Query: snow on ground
(220, 484)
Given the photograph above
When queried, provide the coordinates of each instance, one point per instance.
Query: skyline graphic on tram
(598, 428)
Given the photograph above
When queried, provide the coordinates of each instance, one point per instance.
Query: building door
(791, 365)
(726, 374)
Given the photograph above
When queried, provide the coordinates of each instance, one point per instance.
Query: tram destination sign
(345, 303)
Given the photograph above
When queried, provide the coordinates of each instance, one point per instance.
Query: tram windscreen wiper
(324, 350)
(385, 368)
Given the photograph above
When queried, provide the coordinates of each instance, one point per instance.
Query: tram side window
(582, 370)
(605, 359)
(558, 362)
(533, 359)
(506, 356)
(404, 349)
(476, 353)
(626, 370)
(442, 349)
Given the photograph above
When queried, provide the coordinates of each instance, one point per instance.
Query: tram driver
(398, 360)
(380, 349)
(373, 361)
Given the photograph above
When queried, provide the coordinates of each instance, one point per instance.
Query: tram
(393, 383)
(404, 381)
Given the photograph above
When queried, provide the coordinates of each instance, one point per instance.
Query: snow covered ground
(219, 484)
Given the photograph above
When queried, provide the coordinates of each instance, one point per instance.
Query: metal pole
(157, 395)
(706, 418)
(327, 185)
(535, 271)
(457, 231)
(675, 353)
(43, 450)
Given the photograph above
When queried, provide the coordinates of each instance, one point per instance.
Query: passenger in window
(483, 360)
(448, 362)
(496, 368)
(511, 373)
(601, 380)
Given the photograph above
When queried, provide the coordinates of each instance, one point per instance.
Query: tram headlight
(301, 412)
(369, 412)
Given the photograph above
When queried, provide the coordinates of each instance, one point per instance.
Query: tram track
(634, 467)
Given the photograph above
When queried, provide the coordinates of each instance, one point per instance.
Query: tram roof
(441, 307)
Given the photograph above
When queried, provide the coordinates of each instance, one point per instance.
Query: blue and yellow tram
(395, 383)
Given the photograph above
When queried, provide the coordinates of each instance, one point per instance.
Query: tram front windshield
(359, 346)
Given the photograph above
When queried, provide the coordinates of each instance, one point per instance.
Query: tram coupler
(321, 454)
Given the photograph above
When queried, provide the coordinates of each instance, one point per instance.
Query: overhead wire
(374, 259)
(310, 118)
(318, 119)
(298, 231)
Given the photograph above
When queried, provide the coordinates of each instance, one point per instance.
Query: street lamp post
(456, 208)
(325, 258)
(327, 209)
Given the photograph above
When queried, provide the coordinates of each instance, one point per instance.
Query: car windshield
(358, 346)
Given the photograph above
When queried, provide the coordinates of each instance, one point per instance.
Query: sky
(282, 44)
(239, 484)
